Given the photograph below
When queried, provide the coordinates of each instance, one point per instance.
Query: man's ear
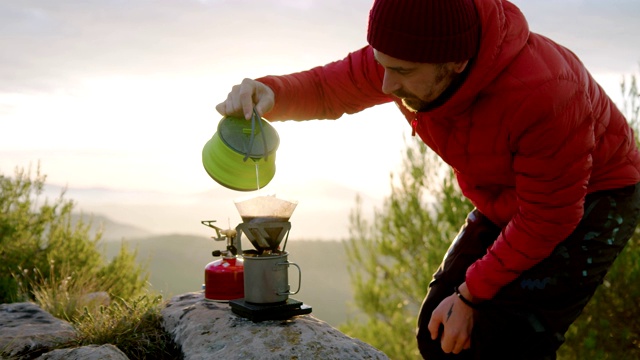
(459, 66)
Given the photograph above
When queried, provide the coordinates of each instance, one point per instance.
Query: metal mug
(266, 278)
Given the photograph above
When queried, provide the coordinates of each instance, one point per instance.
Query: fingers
(453, 341)
(221, 108)
(434, 324)
(244, 97)
(456, 323)
(231, 106)
(459, 344)
(265, 99)
(467, 344)
(448, 341)
(247, 95)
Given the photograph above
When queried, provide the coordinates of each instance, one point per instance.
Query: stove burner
(261, 312)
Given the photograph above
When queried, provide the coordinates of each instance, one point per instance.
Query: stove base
(261, 312)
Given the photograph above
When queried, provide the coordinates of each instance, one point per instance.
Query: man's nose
(389, 84)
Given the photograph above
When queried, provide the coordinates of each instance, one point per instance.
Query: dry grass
(133, 325)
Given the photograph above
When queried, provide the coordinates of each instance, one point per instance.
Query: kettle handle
(255, 117)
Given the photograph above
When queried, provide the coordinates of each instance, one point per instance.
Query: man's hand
(457, 319)
(244, 97)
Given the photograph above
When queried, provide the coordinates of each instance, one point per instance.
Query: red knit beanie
(428, 31)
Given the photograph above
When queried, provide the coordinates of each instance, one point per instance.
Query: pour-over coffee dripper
(265, 221)
(266, 280)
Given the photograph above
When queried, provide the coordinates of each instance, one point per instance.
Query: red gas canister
(224, 279)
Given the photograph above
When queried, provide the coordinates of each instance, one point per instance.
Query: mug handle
(287, 263)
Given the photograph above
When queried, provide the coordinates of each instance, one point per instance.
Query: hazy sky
(121, 94)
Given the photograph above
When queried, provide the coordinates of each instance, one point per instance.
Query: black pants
(527, 319)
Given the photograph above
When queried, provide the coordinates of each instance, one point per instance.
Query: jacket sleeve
(342, 87)
(552, 140)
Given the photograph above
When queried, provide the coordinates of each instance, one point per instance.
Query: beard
(414, 104)
(443, 78)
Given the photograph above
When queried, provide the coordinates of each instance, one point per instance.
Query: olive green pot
(241, 155)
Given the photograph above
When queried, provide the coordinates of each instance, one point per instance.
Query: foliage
(123, 275)
(631, 101)
(134, 326)
(609, 327)
(47, 258)
(36, 233)
(62, 293)
(393, 258)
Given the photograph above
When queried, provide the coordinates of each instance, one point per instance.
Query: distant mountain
(111, 230)
(322, 212)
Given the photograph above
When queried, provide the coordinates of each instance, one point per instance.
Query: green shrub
(36, 234)
(134, 326)
(47, 258)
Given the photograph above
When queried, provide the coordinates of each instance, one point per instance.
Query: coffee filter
(265, 208)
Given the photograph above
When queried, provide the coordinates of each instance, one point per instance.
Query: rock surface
(27, 331)
(210, 330)
(91, 352)
(202, 329)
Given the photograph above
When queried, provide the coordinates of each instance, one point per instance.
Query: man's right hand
(244, 97)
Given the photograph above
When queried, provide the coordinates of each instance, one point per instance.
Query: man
(543, 154)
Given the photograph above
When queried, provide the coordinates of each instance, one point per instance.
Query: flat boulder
(90, 352)
(27, 331)
(210, 330)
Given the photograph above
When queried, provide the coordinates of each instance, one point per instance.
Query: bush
(36, 234)
(134, 326)
(47, 258)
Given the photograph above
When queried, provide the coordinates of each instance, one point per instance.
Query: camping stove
(224, 278)
(265, 274)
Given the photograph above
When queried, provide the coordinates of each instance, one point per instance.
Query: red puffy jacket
(529, 133)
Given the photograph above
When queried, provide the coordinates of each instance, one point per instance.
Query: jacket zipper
(414, 125)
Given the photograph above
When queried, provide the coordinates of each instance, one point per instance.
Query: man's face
(417, 84)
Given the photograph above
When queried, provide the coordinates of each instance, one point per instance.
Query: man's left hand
(457, 319)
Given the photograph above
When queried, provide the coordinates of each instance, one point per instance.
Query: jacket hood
(504, 33)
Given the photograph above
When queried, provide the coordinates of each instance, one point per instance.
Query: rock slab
(90, 352)
(210, 330)
(27, 331)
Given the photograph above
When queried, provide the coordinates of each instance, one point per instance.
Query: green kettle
(241, 155)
